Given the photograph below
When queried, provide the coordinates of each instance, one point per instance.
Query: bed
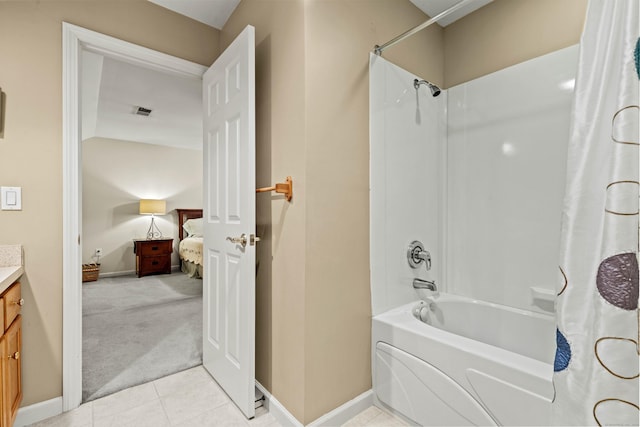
(190, 246)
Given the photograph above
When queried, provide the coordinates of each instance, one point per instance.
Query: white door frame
(74, 40)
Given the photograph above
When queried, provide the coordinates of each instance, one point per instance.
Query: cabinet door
(11, 343)
(12, 303)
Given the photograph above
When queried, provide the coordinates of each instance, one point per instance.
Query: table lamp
(153, 207)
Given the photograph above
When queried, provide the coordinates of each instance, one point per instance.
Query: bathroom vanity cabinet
(11, 269)
(10, 353)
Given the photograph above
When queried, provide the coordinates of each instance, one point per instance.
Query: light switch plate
(11, 198)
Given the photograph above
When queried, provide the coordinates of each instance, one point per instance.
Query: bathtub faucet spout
(424, 284)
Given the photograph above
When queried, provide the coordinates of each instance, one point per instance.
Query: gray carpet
(137, 330)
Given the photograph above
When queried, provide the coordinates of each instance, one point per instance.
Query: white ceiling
(211, 12)
(112, 90)
(434, 7)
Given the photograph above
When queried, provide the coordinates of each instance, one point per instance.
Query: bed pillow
(193, 227)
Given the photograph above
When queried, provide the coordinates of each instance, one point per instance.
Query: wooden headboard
(184, 215)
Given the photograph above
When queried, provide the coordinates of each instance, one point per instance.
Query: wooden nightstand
(153, 256)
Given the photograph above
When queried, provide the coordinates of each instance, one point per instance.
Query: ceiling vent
(141, 111)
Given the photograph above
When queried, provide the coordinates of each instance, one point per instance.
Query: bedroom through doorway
(137, 327)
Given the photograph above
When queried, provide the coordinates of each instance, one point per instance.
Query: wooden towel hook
(285, 188)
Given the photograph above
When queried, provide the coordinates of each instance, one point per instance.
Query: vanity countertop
(11, 265)
(8, 275)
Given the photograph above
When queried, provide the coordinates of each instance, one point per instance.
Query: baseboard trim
(116, 274)
(174, 268)
(345, 412)
(336, 417)
(38, 411)
(277, 409)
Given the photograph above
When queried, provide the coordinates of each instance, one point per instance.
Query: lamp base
(154, 232)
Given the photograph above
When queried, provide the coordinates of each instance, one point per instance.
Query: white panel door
(230, 213)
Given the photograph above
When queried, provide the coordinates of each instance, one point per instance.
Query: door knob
(242, 240)
(253, 239)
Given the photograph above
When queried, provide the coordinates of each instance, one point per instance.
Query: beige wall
(115, 176)
(507, 32)
(31, 151)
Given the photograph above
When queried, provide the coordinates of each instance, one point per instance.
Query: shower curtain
(596, 365)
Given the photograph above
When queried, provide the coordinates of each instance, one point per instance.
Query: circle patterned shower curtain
(596, 365)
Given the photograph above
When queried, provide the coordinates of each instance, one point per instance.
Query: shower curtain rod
(379, 48)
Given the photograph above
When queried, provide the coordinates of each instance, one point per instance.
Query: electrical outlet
(98, 251)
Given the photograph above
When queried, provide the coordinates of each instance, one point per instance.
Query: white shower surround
(407, 198)
(507, 141)
(477, 174)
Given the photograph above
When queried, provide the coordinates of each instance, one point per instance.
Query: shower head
(435, 90)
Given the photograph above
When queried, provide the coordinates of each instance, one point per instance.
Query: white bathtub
(469, 363)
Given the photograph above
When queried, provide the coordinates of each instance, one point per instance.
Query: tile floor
(189, 398)
(374, 417)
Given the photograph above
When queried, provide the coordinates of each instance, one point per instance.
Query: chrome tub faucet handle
(416, 255)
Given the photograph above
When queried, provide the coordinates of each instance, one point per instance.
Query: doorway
(75, 41)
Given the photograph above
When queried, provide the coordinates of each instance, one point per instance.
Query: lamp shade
(153, 207)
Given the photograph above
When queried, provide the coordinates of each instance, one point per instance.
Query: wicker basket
(90, 272)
